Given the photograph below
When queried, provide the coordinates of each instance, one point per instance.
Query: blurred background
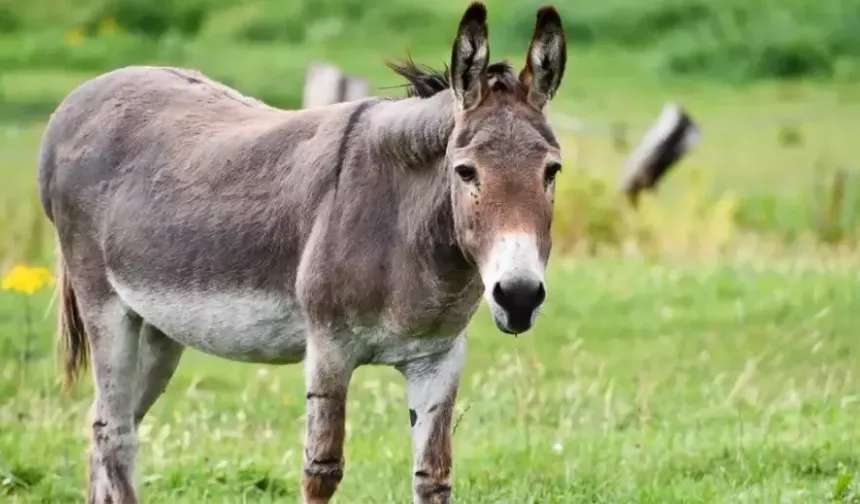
(702, 315)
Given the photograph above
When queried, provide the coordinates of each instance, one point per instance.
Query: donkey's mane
(424, 81)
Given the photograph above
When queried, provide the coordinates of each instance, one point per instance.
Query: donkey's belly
(247, 326)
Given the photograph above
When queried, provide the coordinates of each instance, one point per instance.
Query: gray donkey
(189, 215)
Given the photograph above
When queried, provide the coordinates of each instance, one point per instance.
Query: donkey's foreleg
(157, 361)
(328, 369)
(114, 334)
(432, 384)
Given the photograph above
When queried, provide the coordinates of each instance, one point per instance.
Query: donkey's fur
(359, 233)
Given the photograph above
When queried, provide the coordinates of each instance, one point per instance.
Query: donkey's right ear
(470, 57)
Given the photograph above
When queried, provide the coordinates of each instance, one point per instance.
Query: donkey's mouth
(508, 331)
(516, 325)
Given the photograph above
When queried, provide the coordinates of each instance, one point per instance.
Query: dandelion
(27, 280)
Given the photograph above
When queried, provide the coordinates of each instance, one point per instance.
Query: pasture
(702, 350)
(642, 383)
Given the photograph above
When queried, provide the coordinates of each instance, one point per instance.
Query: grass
(643, 382)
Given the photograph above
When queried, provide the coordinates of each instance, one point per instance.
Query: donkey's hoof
(320, 481)
(431, 491)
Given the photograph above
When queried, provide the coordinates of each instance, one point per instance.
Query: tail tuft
(72, 344)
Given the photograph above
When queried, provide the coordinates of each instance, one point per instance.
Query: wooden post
(325, 84)
(355, 88)
(322, 85)
(662, 147)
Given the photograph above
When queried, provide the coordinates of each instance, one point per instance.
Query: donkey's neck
(414, 132)
(412, 135)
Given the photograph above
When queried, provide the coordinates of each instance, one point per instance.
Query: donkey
(360, 233)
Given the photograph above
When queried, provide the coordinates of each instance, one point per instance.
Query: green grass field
(719, 364)
(642, 382)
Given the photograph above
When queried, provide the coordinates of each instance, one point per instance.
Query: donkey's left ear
(546, 58)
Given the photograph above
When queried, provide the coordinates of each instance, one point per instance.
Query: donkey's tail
(72, 344)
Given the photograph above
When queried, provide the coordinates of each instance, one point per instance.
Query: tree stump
(669, 139)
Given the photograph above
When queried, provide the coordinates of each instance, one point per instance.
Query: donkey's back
(157, 123)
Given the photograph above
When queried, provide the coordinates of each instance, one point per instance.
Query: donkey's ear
(470, 57)
(546, 58)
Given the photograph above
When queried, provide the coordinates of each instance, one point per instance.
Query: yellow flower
(27, 280)
(75, 37)
(108, 26)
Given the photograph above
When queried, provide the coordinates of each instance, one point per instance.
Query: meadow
(702, 349)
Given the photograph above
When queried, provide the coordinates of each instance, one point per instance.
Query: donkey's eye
(550, 172)
(466, 172)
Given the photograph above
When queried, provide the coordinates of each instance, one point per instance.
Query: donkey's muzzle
(519, 298)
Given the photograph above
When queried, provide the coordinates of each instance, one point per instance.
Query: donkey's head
(503, 160)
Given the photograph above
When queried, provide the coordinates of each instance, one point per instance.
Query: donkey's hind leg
(114, 333)
(158, 357)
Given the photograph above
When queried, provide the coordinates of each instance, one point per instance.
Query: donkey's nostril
(519, 297)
